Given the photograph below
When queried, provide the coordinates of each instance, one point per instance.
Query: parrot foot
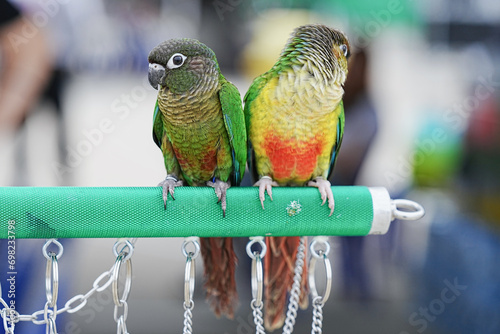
(168, 186)
(265, 184)
(324, 187)
(220, 188)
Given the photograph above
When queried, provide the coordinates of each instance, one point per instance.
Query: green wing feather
(338, 142)
(234, 120)
(157, 126)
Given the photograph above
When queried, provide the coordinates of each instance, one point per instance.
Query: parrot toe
(168, 185)
(265, 184)
(324, 187)
(220, 188)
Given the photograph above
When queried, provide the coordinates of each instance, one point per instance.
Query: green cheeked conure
(199, 126)
(295, 122)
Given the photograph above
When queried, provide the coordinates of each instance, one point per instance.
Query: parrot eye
(344, 49)
(176, 61)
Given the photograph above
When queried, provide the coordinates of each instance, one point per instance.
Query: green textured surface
(93, 212)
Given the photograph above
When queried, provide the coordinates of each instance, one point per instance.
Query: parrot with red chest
(295, 122)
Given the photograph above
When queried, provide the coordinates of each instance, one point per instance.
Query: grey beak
(156, 73)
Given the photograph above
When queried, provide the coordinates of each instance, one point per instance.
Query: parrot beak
(156, 73)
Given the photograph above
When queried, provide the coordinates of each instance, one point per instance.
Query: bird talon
(325, 190)
(265, 185)
(168, 187)
(220, 188)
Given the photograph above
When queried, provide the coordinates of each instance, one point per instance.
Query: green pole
(114, 212)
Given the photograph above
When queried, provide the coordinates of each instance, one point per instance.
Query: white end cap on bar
(382, 210)
(386, 210)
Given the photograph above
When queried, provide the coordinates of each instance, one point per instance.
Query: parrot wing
(338, 141)
(157, 126)
(234, 120)
(257, 85)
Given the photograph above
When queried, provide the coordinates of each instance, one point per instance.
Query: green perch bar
(115, 212)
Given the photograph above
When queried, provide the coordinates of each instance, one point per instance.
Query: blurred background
(422, 119)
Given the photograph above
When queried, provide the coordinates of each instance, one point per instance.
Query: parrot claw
(265, 184)
(168, 185)
(220, 188)
(324, 187)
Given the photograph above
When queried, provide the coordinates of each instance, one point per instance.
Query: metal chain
(188, 318)
(293, 304)
(319, 254)
(42, 317)
(124, 256)
(8, 323)
(258, 319)
(317, 324)
(189, 280)
(51, 286)
(257, 282)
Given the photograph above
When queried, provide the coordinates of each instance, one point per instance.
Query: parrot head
(323, 48)
(181, 64)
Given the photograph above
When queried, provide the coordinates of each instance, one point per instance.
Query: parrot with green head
(199, 126)
(295, 122)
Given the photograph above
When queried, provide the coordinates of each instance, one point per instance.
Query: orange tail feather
(220, 264)
(279, 267)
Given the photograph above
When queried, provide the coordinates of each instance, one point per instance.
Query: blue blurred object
(463, 253)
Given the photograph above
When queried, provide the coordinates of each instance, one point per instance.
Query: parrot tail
(220, 263)
(279, 265)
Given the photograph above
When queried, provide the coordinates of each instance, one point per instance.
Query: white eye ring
(175, 61)
(344, 49)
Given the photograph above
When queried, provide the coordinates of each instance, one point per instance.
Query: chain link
(124, 316)
(51, 326)
(293, 304)
(121, 326)
(317, 324)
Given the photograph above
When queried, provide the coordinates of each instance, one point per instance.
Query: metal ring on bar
(324, 242)
(257, 278)
(189, 277)
(413, 210)
(124, 250)
(196, 243)
(320, 255)
(55, 242)
(128, 279)
(52, 279)
(253, 241)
